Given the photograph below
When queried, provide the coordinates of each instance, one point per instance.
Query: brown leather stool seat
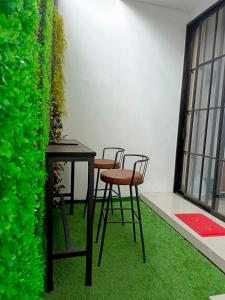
(121, 177)
(106, 164)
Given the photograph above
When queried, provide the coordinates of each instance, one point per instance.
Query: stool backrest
(116, 152)
(140, 163)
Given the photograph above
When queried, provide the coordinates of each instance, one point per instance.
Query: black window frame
(191, 27)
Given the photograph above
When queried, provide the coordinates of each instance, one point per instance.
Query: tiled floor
(220, 297)
(168, 204)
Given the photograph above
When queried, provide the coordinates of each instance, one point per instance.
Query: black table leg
(72, 187)
(49, 226)
(90, 215)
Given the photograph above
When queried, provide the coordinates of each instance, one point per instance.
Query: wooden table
(68, 153)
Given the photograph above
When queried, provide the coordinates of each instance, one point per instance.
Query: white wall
(123, 71)
(200, 7)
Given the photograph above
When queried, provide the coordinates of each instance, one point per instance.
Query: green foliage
(59, 45)
(25, 84)
(58, 99)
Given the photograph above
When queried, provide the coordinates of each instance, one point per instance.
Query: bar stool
(126, 177)
(104, 164)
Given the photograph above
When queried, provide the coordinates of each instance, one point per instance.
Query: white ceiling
(184, 5)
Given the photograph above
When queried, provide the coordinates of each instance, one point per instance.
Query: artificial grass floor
(174, 270)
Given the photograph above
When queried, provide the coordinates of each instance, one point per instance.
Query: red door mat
(201, 224)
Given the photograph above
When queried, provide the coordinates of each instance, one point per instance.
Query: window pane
(221, 178)
(203, 85)
(198, 132)
(195, 47)
(220, 37)
(187, 131)
(207, 38)
(207, 181)
(212, 132)
(204, 106)
(191, 90)
(221, 189)
(221, 204)
(184, 168)
(217, 82)
(194, 176)
(222, 145)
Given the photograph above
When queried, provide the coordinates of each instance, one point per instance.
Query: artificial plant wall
(25, 84)
(59, 44)
(58, 99)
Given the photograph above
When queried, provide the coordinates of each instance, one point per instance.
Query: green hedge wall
(25, 84)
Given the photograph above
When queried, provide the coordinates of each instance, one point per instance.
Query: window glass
(207, 181)
(217, 82)
(212, 132)
(207, 38)
(194, 176)
(187, 131)
(220, 201)
(191, 90)
(222, 141)
(203, 86)
(195, 47)
(184, 168)
(198, 132)
(220, 37)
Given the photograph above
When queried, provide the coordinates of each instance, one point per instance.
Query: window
(200, 165)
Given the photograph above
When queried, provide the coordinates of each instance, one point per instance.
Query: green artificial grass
(174, 270)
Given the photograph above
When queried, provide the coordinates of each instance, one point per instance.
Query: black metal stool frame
(143, 162)
(118, 158)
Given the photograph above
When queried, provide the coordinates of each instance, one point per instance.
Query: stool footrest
(115, 192)
(101, 197)
(121, 209)
(69, 253)
(118, 208)
(123, 222)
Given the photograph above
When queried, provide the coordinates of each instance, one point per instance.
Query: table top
(69, 150)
